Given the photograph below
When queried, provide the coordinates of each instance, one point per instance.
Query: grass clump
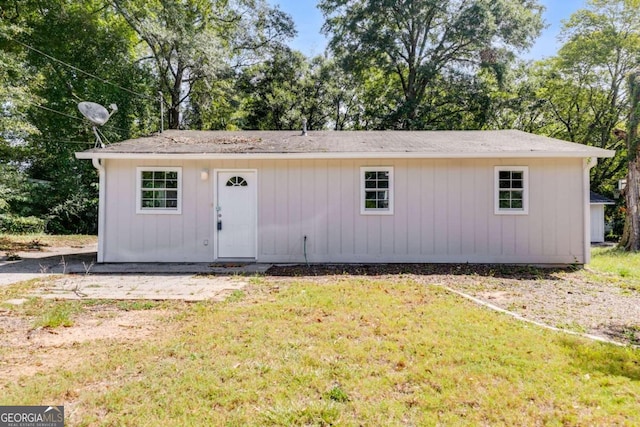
(337, 394)
(57, 314)
(235, 296)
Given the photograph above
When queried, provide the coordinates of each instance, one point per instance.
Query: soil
(487, 270)
(26, 351)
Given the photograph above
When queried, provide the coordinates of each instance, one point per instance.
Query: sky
(311, 42)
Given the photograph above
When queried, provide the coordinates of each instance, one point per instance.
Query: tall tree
(419, 41)
(583, 87)
(193, 41)
(287, 88)
(631, 237)
(14, 90)
(515, 102)
(71, 51)
(272, 92)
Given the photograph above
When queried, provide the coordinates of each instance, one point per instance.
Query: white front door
(236, 214)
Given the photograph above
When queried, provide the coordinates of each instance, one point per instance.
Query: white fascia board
(346, 155)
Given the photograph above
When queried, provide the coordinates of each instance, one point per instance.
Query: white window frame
(157, 211)
(525, 190)
(375, 211)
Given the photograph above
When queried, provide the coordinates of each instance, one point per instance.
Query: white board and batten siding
(443, 212)
(597, 223)
(135, 237)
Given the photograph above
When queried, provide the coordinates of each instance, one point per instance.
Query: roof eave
(346, 155)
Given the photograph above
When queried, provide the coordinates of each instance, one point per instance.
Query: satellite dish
(98, 116)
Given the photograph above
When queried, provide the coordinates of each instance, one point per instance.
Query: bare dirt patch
(44, 243)
(27, 351)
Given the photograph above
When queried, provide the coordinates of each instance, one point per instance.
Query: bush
(13, 224)
(76, 215)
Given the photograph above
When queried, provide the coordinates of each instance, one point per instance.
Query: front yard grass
(617, 266)
(342, 351)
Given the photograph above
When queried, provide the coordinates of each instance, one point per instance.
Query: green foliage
(21, 225)
(631, 236)
(235, 296)
(76, 215)
(131, 49)
(578, 95)
(14, 91)
(617, 265)
(50, 183)
(56, 314)
(337, 394)
(273, 92)
(192, 43)
(16, 206)
(419, 43)
(215, 105)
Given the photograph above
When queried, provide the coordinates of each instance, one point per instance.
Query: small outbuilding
(597, 203)
(345, 197)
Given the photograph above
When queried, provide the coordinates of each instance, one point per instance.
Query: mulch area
(485, 270)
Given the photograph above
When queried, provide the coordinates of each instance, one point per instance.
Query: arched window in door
(237, 181)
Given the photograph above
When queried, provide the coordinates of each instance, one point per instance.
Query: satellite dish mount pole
(98, 138)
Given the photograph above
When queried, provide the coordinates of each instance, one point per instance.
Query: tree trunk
(174, 117)
(631, 235)
(176, 96)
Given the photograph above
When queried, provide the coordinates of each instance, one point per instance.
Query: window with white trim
(159, 190)
(376, 197)
(511, 190)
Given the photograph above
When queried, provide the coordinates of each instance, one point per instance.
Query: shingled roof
(288, 144)
(598, 199)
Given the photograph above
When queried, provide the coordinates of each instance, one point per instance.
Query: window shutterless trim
(513, 187)
(378, 192)
(158, 210)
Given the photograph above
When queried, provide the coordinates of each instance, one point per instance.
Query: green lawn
(617, 266)
(344, 351)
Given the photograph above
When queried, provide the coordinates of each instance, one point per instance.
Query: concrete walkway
(83, 278)
(146, 287)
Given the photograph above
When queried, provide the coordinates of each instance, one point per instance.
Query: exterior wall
(131, 237)
(444, 212)
(597, 223)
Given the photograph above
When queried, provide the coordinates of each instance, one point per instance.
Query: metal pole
(161, 111)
